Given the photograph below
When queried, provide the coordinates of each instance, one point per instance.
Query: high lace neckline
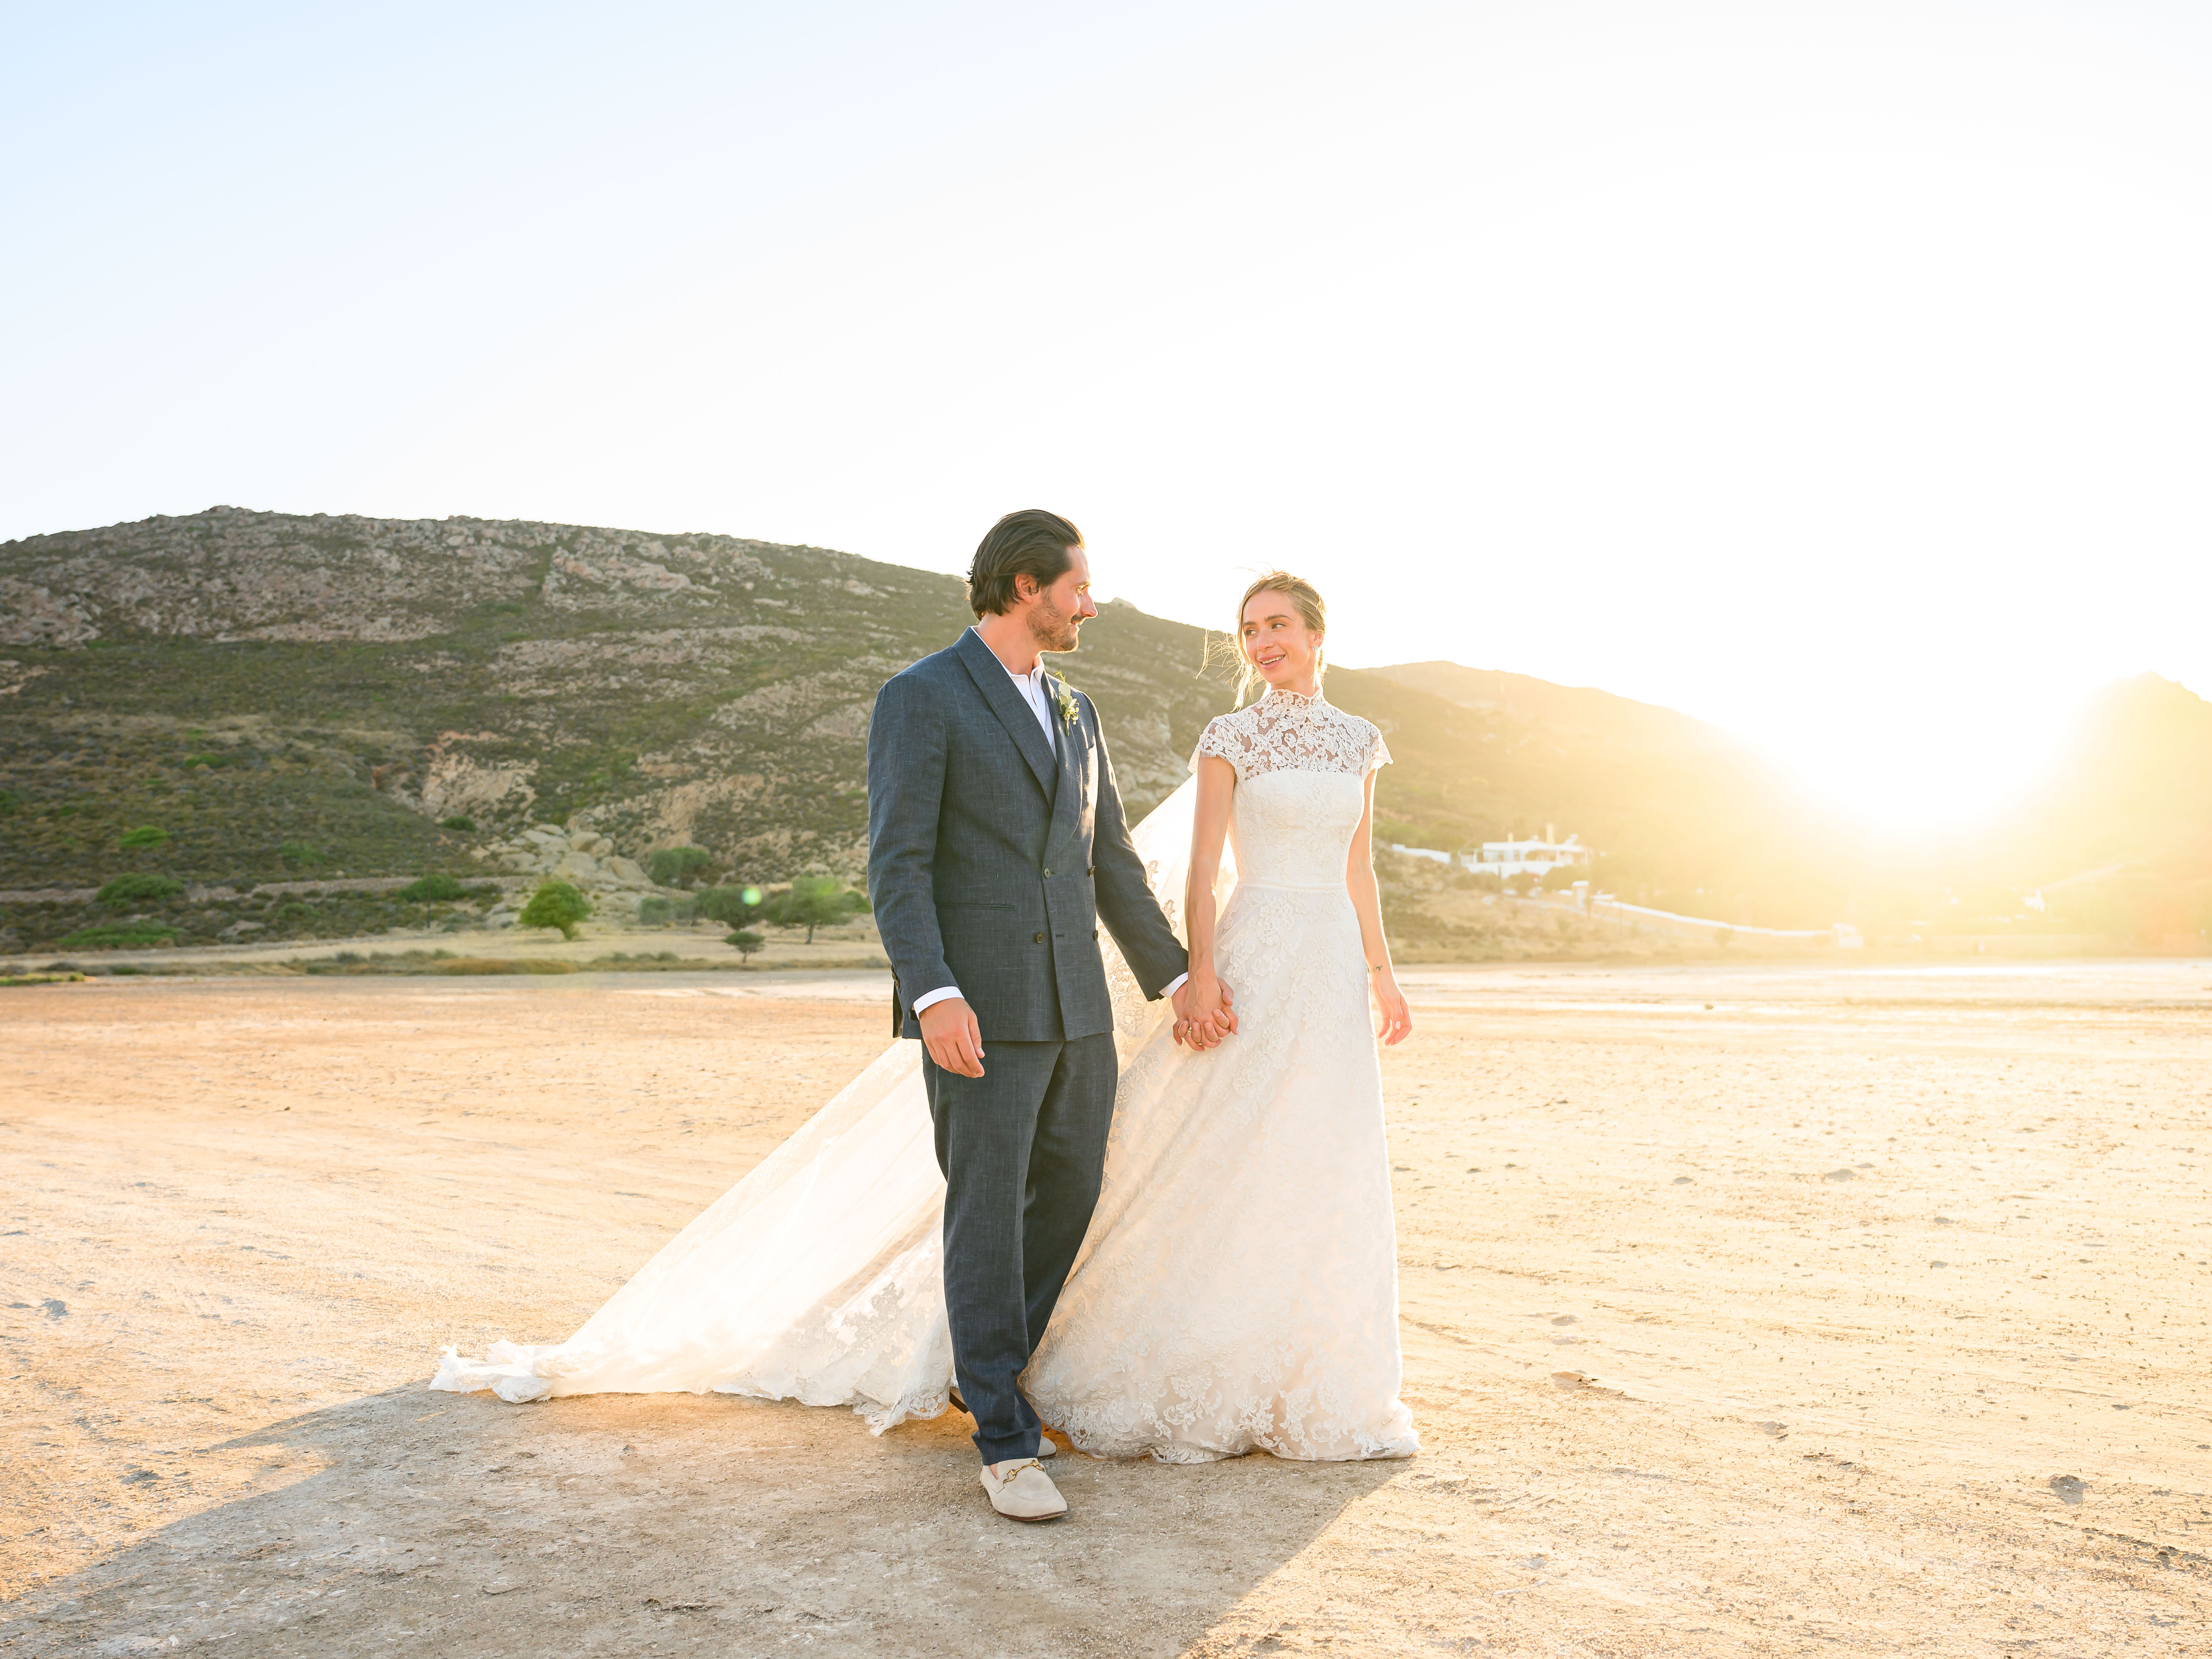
(1293, 732)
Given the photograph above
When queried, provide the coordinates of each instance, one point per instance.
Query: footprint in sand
(2069, 1489)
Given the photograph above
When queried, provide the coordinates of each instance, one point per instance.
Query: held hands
(1203, 1012)
(1397, 1018)
(953, 1038)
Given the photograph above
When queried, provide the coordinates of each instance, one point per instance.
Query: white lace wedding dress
(1237, 1289)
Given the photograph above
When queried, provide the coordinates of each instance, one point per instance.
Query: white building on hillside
(1531, 857)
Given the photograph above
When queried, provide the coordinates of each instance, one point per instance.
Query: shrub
(144, 836)
(657, 912)
(299, 855)
(140, 887)
(676, 866)
(213, 757)
(10, 800)
(556, 904)
(119, 936)
(435, 888)
(466, 826)
(503, 965)
(747, 942)
(816, 901)
(731, 905)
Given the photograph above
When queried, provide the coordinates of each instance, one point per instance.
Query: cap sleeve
(1379, 756)
(1224, 742)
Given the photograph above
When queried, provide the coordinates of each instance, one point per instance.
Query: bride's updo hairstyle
(1305, 599)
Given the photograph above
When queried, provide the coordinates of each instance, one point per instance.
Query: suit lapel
(998, 688)
(1068, 790)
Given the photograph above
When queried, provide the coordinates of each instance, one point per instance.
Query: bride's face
(1276, 640)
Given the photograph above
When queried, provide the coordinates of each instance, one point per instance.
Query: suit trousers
(1024, 1149)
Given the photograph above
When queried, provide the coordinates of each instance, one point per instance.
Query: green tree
(556, 904)
(435, 888)
(145, 838)
(140, 887)
(733, 906)
(813, 901)
(677, 867)
(747, 942)
(466, 826)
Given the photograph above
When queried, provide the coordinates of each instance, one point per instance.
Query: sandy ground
(1761, 1310)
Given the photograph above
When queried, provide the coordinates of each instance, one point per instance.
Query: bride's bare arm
(1367, 900)
(1209, 825)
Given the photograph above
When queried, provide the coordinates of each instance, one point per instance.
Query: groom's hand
(1200, 1023)
(953, 1038)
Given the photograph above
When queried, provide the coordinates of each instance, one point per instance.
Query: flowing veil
(817, 1278)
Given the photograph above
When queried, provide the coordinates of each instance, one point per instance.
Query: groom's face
(1065, 606)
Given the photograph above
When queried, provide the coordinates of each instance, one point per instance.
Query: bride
(1238, 1287)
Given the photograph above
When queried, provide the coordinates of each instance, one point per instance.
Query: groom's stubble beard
(1053, 629)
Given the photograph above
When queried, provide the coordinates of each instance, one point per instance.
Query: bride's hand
(1221, 1022)
(1203, 1014)
(1397, 1018)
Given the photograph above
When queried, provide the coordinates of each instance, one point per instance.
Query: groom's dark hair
(1031, 543)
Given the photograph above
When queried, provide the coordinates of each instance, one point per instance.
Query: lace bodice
(1301, 770)
(1286, 731)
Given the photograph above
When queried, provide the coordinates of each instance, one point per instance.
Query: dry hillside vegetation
(285, 697)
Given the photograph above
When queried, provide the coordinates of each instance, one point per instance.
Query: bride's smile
(1277, 642)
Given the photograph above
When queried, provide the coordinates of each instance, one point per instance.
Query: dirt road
(1770, 1310)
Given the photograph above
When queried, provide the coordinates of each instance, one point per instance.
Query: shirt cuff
(929, 998)
(1175, 985)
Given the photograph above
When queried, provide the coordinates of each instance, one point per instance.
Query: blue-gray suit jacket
(991, 860)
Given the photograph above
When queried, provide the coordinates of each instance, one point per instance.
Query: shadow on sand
(618, 1523)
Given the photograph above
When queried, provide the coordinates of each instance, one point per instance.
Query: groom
(996, 846)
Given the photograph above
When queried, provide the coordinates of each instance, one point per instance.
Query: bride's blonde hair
(1305, 599)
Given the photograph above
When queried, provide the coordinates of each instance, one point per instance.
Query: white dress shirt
(1038, 696)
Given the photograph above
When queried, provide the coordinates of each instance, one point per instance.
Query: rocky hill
(282, 698)
(1687, 816)
(249, 680)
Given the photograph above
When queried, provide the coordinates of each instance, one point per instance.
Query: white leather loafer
(1020, 1490)
(1045, 1448)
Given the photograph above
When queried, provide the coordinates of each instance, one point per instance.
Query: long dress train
(1238, 1283)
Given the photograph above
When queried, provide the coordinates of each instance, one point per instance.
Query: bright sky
(1837, 372)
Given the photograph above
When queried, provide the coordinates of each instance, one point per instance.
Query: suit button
(1094, 932)
(1037, 939)
(1090, 870)
(1048, 875)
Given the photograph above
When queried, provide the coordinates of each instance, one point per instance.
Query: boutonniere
(1065, 698)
